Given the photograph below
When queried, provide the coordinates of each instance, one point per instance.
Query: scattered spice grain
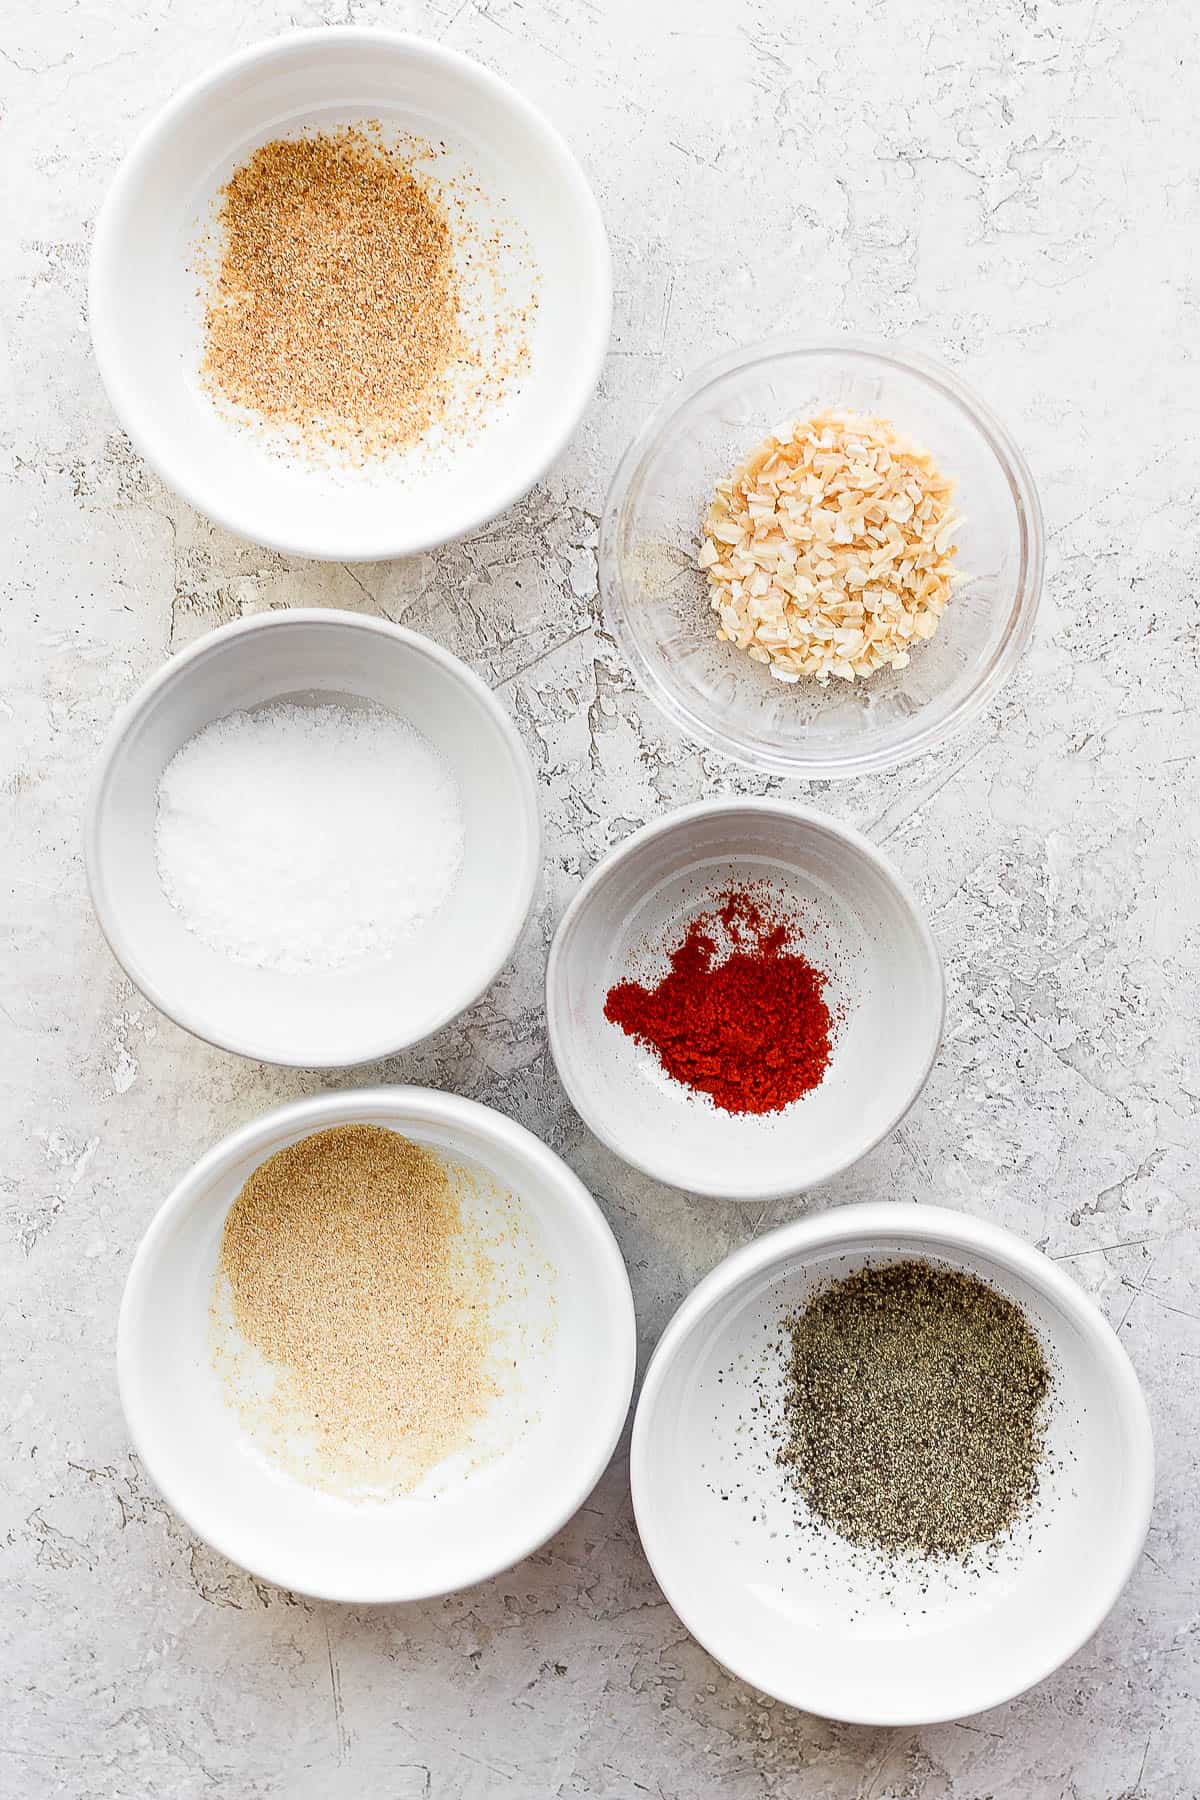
(335, 308)
(349, 1271)
(914, 1410)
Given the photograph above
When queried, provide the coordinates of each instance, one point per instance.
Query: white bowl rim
(398, 1106)
(938, 1230)
(595, 322)
(696, 725)
(796, 811)
(529, 851)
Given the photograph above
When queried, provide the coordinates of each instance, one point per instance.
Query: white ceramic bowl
(146, 317)
(477, 1520)
(371, 1007)
(822, 1631)
(862, 927)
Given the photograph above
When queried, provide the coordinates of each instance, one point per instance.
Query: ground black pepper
(914, 1409)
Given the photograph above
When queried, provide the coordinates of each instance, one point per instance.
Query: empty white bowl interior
(859, 929)
(659, 599)
(530, 1463)
(821, 1626)
(367, 1007)
(147, 316)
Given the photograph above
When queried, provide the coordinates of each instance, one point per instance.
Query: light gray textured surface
(1011, 186)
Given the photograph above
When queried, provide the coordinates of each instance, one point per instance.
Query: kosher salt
(302, 838)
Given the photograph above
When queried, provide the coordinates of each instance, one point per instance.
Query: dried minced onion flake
(830, 550)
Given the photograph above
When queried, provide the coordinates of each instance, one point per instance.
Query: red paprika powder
(745, 1022)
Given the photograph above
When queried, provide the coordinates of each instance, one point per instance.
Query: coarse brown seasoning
(334, 311)
(350, 1272)
(914, 1409)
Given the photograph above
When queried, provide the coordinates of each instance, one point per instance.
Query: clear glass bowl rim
(799, 764)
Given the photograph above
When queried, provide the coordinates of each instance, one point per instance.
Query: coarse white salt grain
(302, 838)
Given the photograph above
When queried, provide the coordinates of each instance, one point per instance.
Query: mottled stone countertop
(1013, 185)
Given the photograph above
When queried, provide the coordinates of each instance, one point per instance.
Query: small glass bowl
(656, 598)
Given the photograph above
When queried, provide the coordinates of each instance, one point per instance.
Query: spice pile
(830, 550)
(741, 1014)
(335, 307)
(354, 301)
(914, 1410)
(304, 837)
(346, 1264)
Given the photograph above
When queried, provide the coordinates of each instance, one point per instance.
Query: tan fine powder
(334, 311)
(348, 1269)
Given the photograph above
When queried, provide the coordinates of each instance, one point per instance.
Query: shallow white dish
(862, 926)
(822, 1631)
(145, 317)
(371, 1007)
(445, 1535)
